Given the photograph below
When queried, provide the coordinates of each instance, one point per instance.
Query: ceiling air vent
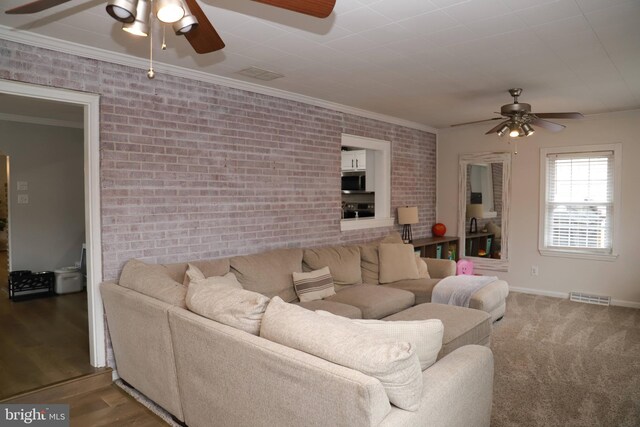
(589, 299)
(260, 74)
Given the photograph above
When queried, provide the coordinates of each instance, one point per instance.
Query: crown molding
(40, 121)
(46, 42)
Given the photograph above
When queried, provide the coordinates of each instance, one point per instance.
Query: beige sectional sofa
(206, 373)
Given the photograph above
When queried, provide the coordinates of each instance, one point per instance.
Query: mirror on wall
(484, 183)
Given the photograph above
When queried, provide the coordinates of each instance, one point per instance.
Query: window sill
(364, 223)
(579, 255)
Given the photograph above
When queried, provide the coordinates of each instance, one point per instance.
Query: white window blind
(579, 202)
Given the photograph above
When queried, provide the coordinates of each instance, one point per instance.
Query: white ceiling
(433, 62)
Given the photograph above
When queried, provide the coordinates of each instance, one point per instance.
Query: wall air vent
(589, 298)
(260, 74)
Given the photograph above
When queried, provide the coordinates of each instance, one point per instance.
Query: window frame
(383, 216)
(594, 254)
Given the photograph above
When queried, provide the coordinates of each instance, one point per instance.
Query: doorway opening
(79, 312)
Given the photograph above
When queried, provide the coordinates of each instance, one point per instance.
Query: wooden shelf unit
(445, 247)
(479, 241)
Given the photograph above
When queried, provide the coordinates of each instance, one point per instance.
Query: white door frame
(91, 105)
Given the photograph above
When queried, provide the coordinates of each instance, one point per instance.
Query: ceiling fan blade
(497, 128)
(317, 8)
(553, 127)
(559, 115)
(35, 6)
(203, 38)
(477, 121)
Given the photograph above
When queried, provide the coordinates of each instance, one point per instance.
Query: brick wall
(192, 170)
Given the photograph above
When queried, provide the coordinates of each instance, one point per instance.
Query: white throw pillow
(314, 285)
(195, 275)
(425, 335)
(338, 340)
(397, 262)
(423, 270)
(239, 308)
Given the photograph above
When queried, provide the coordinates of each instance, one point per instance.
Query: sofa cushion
(425, 335)
(336, 339)
(152, 280)
(462, 326)
(269, 272)
(374, 301)
(423, 270)
(343, 261)
(234, 307)
(369, 263)
(313, 285)
(194, 275)
(214, 267)
(397, 262)
(421, 288)
(336, 308)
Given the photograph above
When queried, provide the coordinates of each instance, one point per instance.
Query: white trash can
(68, 280)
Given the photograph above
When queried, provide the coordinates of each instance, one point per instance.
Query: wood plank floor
(42, 341)
(102, 403)
(110, 406)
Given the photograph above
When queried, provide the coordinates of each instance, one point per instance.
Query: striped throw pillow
(314, 285)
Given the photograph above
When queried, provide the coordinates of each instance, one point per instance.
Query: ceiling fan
(187, 17)
(519, 119)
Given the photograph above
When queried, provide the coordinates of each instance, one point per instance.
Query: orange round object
(439, 229)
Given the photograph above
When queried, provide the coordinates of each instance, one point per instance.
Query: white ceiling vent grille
(260, 74)
(589, 299)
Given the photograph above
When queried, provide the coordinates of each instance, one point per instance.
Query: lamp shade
(475, 211)
(408, 215)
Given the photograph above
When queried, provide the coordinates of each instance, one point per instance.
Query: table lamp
(406, 216)
(474, 211)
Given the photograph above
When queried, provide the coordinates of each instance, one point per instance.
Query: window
(378, 183)
(579, 201)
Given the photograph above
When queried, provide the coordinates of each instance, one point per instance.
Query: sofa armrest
(440, 268)
(245, 380)
(457, 392)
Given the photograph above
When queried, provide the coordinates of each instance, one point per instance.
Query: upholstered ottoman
(492, 299)
(462, 325)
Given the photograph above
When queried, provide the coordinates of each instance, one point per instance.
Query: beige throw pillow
(397, 262)
(425, 335)
(314, 285)
(234, 307)
(495, 229)
(423, 270)
(338, 340)
(195, 275)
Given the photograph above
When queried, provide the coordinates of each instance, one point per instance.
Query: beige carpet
(560, 363)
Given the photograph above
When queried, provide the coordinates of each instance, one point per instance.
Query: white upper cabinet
(355, 160)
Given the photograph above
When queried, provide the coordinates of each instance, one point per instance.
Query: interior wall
(192, 170)
(46, 233)
(557, 275)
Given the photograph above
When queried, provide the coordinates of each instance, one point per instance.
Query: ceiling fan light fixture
(122, 10)
(139, 27)
(527, 129)
(503, 130)
(186, 24)
(169, 11)
(514, 130)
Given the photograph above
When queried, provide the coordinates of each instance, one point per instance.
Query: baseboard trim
(565, 295)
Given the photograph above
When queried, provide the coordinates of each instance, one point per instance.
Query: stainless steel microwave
(354, 181)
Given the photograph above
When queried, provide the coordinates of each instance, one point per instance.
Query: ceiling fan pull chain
(164, 35)
(151, 74)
